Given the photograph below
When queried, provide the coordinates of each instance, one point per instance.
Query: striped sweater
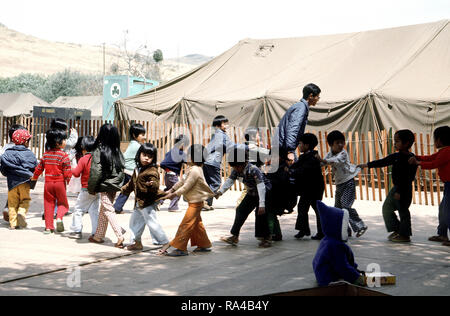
(56, 164)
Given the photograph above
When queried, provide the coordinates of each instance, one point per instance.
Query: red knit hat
(21, 136)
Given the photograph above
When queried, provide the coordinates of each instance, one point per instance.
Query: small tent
(372, 80)
(92, 103)
(19, 104)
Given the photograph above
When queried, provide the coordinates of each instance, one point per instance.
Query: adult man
(293, 123)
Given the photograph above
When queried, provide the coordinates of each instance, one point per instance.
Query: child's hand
(397, 196)
(362, 166)
(413, 161)
(261, 211)
(169, 196)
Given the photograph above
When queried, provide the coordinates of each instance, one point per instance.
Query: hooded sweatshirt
(334, 259)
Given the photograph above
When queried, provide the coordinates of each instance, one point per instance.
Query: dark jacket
(104, 178)
(281, 187)
(145, 195)
(174, 160)
(403, 173)
(334, 259)
(292, 126)
(18, 164)
(308, 176)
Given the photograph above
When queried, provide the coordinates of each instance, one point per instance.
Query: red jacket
(56, 164)
(439, 160)
(83, 168)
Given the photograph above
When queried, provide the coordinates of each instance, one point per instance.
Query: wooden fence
(372, 184)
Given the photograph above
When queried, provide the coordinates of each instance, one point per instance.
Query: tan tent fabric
(16, 104)
(93, 103)
(397, 77)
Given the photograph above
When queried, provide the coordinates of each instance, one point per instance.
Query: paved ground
(35, 264)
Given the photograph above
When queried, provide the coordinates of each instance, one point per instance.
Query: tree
(158, 56)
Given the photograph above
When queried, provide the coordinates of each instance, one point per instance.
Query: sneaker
(361, 231)
(207, 207)
(137, 246)
(200, 249)
(400, 238)
(300, 235)
(265, 244)
(438, 238)
(6, 216)
(21, 221)
(446, 243)
(177, 253)
(59, 226)
(317, 237)
(75, 235)
(48, 231)
(393, 235)
(232, 240)
(119, 212)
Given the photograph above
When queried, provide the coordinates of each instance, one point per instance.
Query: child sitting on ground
(18, 164)
(334, 259)
(195, 191)
(86, 203)
(255, 199)
(11, 144)
(344, 174)
(58, 172)
(172, 164)
(441, 161)
(310, 185)
(145, 185)
(400, 196)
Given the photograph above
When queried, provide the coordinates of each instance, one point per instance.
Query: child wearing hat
(18, 164)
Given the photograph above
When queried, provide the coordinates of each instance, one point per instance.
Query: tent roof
(14, 104)
(93, 103)
(410, 63)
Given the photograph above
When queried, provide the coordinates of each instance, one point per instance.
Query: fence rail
(372, 184)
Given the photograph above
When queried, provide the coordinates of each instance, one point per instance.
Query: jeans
(86, 203)
(122, 199)
(213, 179)
(147, 216)
(444, 212)
(390, 205)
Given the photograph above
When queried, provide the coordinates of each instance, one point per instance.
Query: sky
(208, 27)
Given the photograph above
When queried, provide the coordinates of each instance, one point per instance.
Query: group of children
(105, 171)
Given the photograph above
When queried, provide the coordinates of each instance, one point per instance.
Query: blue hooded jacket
(17, 165)
(334, 259)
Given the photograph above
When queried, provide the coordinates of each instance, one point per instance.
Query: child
(107, 178)
(18, 164)
(440, 160)
(137, 134)
(344, 174)
(257, 154)
(400, 196)
(255, 199)
(146, 196)
(85, 201)
(11, 144)
(172, 164)
(310, 186)
(56, 164)
(195, 191)
(334, 259)
(215, 150)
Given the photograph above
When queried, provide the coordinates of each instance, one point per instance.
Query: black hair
(78, 149)
(443, 134)
(14, 128)
(108, 142)
(136, 130)
(218, 120)
(148, 149)
(58, 123)
(406, 137)
(309, 139)
(197, 154)
(335, 136)
(311, 88)
(181, 140)
(237, 157)
(54, 138)
(88, 143)
(250, 133)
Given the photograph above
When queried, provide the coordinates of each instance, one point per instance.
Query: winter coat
(334, 259)
(104, 178)
(292, 126)
(18, 164)
(145, 194)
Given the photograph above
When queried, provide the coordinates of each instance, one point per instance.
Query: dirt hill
(21, 53)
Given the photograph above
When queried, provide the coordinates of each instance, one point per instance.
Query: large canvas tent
(19, 104)
(372, 80)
